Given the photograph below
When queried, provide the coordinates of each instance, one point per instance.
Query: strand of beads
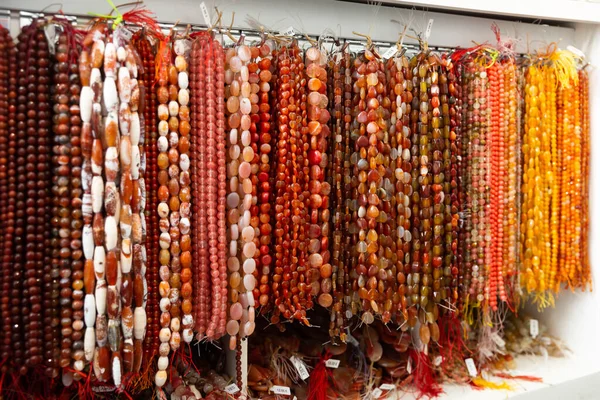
(318, 202)
(87, 238)
(185, 209)
(118, 275)
(422, 247)
(264, 262)
(479, 188)
(199, 232)
(585, 173)
(18, 303)
(361, 166)
(236, 174)
(415, 256)
(67, 188)
(105, 267)
(148, 124)
(198, 185)
(282, 183)
(336, 75)
(400, 88)
(511, 148)
(432, 206)
(570, 153)
(494, 102)
(455, 133)
(37, 248)
(465, 264)
(216, 164)
(348, 244)
(138, 319)
(300, 297)
(386, 191)
(8, 143)
(530, 220)
(163, 162)
(117, 167)
(219, 74)
(176, 178)
(445, 247)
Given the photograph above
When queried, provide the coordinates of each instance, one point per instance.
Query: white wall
(313, 16)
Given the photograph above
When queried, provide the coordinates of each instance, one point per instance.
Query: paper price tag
(331, 363)
(576, 51)
(288, 32)
(428, 30)
(391, 52)
(534, 328)
(471, 367)
(300, 367)
(126, 34)
(205, 14)
(50, 32)
(498, 340)
(232, 389)
(437, 361)
(377, 393)
(281, 390)
(387, 386)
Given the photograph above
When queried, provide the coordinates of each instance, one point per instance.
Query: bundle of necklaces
(166, 195)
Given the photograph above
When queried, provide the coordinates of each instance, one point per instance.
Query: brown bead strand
(61, 191)
(148, 99)
(37, 263)
(19, 302)
(7, 170)
(349, 239)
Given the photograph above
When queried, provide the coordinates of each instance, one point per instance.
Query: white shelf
(563, 378)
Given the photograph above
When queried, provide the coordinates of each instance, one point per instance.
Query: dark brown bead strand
(7, 169)
(47, 273)
(76, 196)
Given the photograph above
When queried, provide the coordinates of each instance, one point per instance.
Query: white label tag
(126, 33)
(387, 386)
(534, 328)
(437, 361)
(576, 51)
(205, 14)
(331, 363)
(300, 367)
(409, 366)
(281, 390)
(498, 340)
(376, 393)
(471, 367)
(50, 32)
(232, 389)
(391, 52)
(428, 30)
(288, 32)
